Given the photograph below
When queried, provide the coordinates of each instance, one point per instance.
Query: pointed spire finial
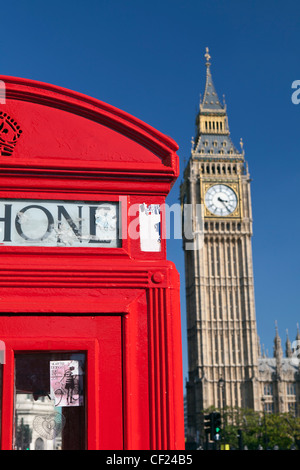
(207, 57)
(277, 343)
(192, 144)
(288, 349)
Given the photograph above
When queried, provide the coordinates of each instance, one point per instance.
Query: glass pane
(49, 401)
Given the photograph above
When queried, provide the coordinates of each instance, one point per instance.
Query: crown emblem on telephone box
(9, 134)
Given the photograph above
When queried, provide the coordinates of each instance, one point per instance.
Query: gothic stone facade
(279, 378)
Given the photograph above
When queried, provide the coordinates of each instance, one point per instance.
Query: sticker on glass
(66, 383)
(150, 236)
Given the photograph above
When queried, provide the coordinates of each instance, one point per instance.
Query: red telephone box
(90, 313)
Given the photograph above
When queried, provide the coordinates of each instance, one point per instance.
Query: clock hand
(223, 202)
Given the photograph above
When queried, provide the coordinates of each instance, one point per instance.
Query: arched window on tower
(220, 304)
(234, 260)
(212, 264)
(215, 305)
(216, 349)
(218, 260)
(233, 347)
(231, 305)
(229, 261)
(237, 304)
(238, 348)
(222, 339)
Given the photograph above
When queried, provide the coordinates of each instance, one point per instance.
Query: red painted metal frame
(104, 371)
(74, 147)
(131, 147)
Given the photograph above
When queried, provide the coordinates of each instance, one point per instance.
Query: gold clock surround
(234, 185)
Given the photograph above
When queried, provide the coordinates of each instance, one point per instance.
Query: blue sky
(147, 58)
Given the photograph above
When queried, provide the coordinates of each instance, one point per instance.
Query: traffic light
(23, 436)
(216, 426)
(240, 439)
(208, 423)
(212, 425)
(27, 434)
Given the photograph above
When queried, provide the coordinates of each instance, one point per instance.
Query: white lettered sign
(59, 223)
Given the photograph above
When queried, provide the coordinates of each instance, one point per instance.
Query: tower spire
(212, 135)
(210, 99)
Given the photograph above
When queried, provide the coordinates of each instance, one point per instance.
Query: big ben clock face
(221, 200)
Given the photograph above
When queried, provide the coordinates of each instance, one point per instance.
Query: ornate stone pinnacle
(207, 57)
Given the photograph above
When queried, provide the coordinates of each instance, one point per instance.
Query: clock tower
(221, 323)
